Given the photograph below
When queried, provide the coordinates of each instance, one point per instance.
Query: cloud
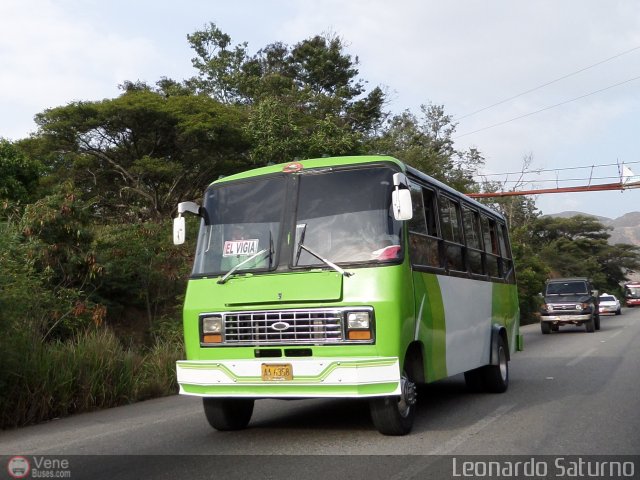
(50, 57)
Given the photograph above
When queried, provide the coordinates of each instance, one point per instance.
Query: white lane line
(581, 357)
(453, 443)
(96, 431)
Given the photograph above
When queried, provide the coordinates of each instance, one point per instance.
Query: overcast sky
(465, 55)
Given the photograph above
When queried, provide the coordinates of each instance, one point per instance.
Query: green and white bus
(346, 277)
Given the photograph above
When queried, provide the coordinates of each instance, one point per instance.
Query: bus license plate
(276, 371)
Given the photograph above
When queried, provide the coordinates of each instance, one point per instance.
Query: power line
(547, 108)
(548, 83)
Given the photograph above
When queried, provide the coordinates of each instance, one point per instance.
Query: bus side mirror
(179, 227)
(401, 204)
(179, 231)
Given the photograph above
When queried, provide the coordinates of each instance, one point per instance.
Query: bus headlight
(359, 325)
(359, 320)
(212, 329)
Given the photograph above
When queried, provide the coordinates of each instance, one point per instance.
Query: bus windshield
(242, 219)
(632, 292)
(343, 216)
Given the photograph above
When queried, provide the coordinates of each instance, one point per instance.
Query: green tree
(578, 246)
(141, 271)
(19, 174)
(426, 143)
(56, 243)
(532, 272)
(303, 101)
(141, 153)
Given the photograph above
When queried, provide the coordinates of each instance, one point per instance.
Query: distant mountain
(570, 213)
(626, 229)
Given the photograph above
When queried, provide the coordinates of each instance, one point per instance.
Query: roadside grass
(45, 380)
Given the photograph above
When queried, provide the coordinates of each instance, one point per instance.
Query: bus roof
(313, 163)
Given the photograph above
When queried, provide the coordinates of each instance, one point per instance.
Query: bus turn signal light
(212, 338)
(359, 335)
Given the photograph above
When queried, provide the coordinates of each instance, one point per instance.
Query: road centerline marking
(454, 442)
(581, 357)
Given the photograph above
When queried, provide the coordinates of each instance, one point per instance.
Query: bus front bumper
(308, 378)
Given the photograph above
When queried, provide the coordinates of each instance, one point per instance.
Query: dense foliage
(90, 285)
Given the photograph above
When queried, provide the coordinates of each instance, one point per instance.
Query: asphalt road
(571, 393)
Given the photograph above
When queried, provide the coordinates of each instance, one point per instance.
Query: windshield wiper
(302, 228)
(324, 260)
(244, 262)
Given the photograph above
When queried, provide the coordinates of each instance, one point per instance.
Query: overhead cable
(547, 108)
(548, 83)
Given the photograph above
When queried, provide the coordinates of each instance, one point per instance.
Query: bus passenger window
(430, 212)
(450, 220)
(417, 223)
(490, 239)
(471, 223)
(422, 229)
(507, 262)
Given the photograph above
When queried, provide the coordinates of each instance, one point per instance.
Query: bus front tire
(228, 413)
(394, 415)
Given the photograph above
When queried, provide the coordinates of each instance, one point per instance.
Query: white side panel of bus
(467, 306)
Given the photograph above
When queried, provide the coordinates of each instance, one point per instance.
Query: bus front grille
(283, 327)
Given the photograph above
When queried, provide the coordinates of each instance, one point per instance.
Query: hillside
(626, 229)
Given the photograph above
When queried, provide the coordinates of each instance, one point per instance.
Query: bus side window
(472, 237)
(430, 212)
(507, 261)
(418, 222)
(423, 247)
(450, 223)
(490, 239)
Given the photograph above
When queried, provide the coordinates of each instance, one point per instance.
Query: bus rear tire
(228, 413)
(394, 415)
(496, 377)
